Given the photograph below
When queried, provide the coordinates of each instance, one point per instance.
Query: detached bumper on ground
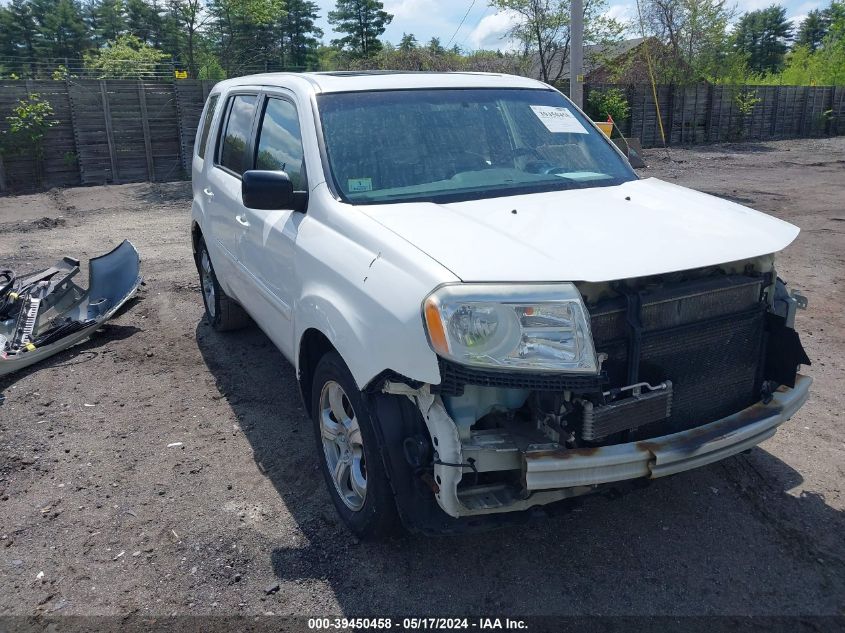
(669, 454)
(64, 313)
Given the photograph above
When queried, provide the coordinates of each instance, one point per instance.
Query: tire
(360, 491)
(221, 311)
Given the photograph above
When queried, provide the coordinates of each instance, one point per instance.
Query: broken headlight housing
(537, 327)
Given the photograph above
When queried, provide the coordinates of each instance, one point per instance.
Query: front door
(268, 248)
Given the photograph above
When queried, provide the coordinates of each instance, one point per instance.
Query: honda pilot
(487, 309)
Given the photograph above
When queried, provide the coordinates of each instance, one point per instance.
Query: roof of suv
(351, 81)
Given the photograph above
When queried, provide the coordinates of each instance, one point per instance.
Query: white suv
(487, 309)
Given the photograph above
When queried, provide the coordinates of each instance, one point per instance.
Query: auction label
(558, 119)
(418, 624)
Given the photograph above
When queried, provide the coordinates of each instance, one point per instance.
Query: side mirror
(267, 190)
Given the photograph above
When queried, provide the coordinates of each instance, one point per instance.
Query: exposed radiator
(706, 337)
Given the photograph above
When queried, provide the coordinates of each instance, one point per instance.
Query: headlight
(530, 327)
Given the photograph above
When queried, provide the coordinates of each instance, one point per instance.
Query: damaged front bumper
(551, 473)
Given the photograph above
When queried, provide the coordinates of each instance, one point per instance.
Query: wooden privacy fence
(707, 113)
(117, 131)
(108, 131)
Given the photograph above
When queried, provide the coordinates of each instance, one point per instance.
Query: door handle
(242, 220)
(208, 192)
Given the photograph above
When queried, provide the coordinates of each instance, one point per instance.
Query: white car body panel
(639, 228)
(364, 290)
(343, 82)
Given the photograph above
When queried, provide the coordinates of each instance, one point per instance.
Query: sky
(484, 28)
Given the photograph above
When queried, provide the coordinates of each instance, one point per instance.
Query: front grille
(705, 337)
(453, 378)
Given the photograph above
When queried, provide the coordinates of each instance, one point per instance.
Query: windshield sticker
(582, 175)
(557, 119)
(356, 185)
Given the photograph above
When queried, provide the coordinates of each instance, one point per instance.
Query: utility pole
(576, 53)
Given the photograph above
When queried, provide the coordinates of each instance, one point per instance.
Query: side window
(206, 125)
(280, 142)
(236, 133)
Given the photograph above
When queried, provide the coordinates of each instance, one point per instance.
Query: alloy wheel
(343, 445)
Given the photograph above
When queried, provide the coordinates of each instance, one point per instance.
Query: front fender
(366, 333)
(363, 290)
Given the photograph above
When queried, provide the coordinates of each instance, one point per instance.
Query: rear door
(201, 145)
(268, 247)
(227, 222)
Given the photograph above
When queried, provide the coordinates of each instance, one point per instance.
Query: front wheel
(349, 452)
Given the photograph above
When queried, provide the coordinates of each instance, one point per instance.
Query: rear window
(236, 133)
(206, 125)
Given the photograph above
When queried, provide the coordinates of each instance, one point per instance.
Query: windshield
(438, 145)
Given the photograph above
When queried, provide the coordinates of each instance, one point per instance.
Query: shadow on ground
(724, 539)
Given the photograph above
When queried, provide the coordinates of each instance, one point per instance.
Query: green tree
(190, 16)
(126, 58)
(106, 20)
(208, 65)
(61, 29)
(611, 102)
(18, 29)
(362, 22)
(805, 67)
(143, 20)
(329, 58)
(436, 47)
(28, 124)
(407, 43)
(762, 36)
(813, 30)
(835, 15)
(542, 29)
(300, 34)
(832, 51)
(694, 35)
(245, 34)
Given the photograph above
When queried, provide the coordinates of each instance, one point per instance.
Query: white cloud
(622, 12)
(491, 31)
(796, 20)
(410, 12)
(626, 14)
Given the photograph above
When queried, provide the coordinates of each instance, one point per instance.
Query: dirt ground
(235, 518)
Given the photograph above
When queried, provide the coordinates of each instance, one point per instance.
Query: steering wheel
(465, 160)
(538, 165)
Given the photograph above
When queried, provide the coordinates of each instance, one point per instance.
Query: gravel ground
(235, 519)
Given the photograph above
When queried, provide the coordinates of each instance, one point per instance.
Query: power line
(483, 15)
(463, 19)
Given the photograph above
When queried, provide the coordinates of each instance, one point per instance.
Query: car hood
(639, 228)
